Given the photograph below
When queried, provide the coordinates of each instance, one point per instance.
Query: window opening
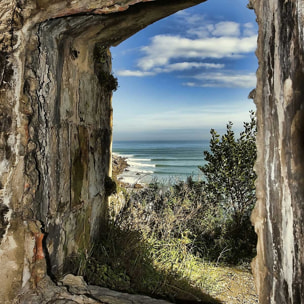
(178, 78)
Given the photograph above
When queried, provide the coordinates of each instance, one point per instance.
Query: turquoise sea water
(167, 161)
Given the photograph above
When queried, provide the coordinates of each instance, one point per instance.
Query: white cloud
(194, 19)
(135, 73)
(164, 48)
(198, 25)
(179, 66)
(174, 53)
(199, 32)
(189, 20)
(224, 80)
(222, 29)
(183, 66)
(249, 29)
(190, 84)
(226, 28)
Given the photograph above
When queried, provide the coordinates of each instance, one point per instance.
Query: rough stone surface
(278, 216)
(113, 297)
(47, 292)
(73, 289)
(55, 135)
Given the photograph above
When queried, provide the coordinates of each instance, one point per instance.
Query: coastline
(164, 162)
(119, 166)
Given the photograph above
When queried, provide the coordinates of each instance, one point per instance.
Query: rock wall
(55, 134)
(56, 127)
(278, 216)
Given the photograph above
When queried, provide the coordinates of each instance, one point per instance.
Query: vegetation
(230, 194)
(103, 66)
(124, 260)
(107, 80)
(169, 241)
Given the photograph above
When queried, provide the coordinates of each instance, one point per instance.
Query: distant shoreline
(119, 166)
(164, 162)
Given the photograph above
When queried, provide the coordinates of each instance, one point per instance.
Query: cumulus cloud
(134, 73)
(222, 29)
(197, 50)
(179, 66)
(224, 80)
(226, 28)
(189, 20)
(164, 48)
(182, 66)
(249, 29)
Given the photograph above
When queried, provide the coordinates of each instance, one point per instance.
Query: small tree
(230, 189)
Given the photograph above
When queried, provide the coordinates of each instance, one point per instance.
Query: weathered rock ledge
(73, 289)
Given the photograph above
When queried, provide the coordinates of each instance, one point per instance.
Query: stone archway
(56, 133)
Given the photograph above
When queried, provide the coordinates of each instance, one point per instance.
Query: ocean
(164, 161)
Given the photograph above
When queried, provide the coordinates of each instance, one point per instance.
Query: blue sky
(186, 74)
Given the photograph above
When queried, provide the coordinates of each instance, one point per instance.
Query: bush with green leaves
(230, 193)
(229, 172)
(214, 214)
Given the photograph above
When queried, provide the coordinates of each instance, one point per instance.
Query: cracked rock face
(278, 215)
(56, 131)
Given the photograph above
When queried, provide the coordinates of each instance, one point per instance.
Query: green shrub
(102, 62)
(230, 192)
(110, 186)
(107, 80)
(214, 214)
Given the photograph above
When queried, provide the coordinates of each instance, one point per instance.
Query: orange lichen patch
(38, 269)
(38, 249)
